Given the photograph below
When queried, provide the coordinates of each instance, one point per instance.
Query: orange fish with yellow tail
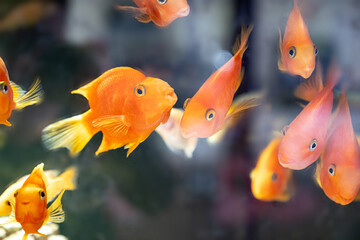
(161, 12)
(12, 97)
(306, 135)
(30, 205)
(207, 111)
(338, 172)
(269, 180)
(56, 184)
(125, 105)
(297, 50)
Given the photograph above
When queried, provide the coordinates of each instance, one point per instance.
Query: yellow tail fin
(71, 133)
(31, 97)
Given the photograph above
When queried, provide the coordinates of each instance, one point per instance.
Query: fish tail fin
(55, 212)
(139, 13)
(69, 178)
(72, 133)
(24, 99)
(308, 89)
(333, 75)
(240, 45)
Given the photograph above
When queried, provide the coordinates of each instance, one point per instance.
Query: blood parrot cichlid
(29, 207)
(338, 172)
(12, 97)
(306, 135)
(269, 180)
(161, 12)
(56, 184)
(208, 110)
(297, 50)
(125, 105)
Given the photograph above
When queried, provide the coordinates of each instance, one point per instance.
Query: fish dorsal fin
(280, 63)
(118, 124)
(242, 104)
(55, 212)
(33, 96)
(18, 92)
(139, 13)
(308, 89)
(186, 103)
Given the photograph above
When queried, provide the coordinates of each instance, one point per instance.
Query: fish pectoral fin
(239, 80)
(18, 92)
(252, 174)
(139, 13)
(240, 105)
(6, 123)
(33, 96)
(55, 212)
(317, 174)
(118, 124)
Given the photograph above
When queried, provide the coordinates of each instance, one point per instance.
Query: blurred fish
(26, 14)
(306, 135)
(125, 105)
(338, 172)
(29, 208)
(13, 97)
(269, 180)
(161, 12)
(170, 132)
(56, 184)
(207, 112)
(297, 49)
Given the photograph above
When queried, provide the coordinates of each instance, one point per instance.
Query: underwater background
(155, 193)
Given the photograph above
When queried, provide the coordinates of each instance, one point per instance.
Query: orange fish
(29, 208)
(206, 113)
(297, 50)
(306, 135)
(125, 105)
(161, 12)
(269, 180)
(338, 172)
(56, 184)
(13, 97)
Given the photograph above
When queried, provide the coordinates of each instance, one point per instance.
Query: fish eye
(210, 114)
(42, 195)
(274, 177)
(331, 169)
(186, 103)
(316, 50)
(292, 52)
(15, 194)
(284, 130)
(162, 2)
(140, 90)
(8, 203)
(313, 145)
(4, 88)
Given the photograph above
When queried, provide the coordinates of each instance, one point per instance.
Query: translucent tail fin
(71, 133)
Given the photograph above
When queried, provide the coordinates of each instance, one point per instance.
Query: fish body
(269, 180)
(30, 207)
(339, 168)
(125, 105)
(160, 12)
(297, 50)
(12, 97)
(306, 135)
(56, 184)
(206, 112)
(170, 132)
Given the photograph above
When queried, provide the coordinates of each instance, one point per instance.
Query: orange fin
(308, 89)
(131, 147)
(243, 103)
(139, 13)
(117, 124)
(240, 46)
(6, 123)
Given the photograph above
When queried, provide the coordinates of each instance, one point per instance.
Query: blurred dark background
(156, 194)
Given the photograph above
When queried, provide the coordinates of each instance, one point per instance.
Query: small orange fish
(306, 135)
(297, 50)
(338, 173)
(29, 208)
(269, 180)
(206, 113)
(161, 12)
(56, 184)
(170, 132)
(125, 105)
(13, 97)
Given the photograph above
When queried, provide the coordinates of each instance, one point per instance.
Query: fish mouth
(184, 11)
(25, 203)
(307, 72)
